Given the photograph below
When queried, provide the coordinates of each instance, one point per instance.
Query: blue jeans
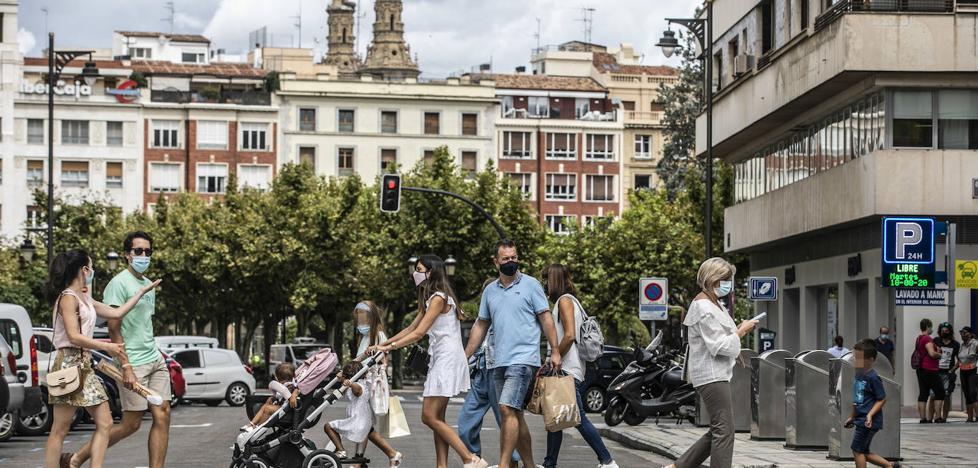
(480, 399)
(587, 430)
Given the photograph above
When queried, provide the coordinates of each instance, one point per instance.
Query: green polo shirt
(137, 325)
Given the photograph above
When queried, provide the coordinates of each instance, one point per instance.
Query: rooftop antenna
(44, 10)
(298, 24)
(537, 34)
(587, 17)
(172, 9)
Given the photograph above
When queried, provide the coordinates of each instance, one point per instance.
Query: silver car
(12, 389)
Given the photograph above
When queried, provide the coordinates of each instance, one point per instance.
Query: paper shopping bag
(394, 423)
(534, 401)
(559, 403)
(379, 392)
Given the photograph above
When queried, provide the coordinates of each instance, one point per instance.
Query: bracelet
(127, 365)
(393, 345)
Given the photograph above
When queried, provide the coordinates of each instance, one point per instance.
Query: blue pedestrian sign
(762, 288)
(908, 252)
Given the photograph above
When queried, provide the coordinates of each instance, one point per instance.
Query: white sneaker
(609, 465)
(480, 463)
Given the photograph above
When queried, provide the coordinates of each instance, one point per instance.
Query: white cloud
(25, 41)
(184, 21)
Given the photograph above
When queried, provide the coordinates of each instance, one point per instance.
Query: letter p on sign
(908, 234)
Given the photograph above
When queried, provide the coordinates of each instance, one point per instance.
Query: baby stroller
(279, 442)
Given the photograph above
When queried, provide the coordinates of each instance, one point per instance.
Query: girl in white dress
(370, 332)
(448, 371)
(359, 417)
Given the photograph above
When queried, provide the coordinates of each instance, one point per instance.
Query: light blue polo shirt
(513, 313)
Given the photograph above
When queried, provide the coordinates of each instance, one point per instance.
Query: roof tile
(231, 70)
(544, 82)
(606, 63)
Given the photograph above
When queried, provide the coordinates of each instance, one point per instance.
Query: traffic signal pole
(499, 229)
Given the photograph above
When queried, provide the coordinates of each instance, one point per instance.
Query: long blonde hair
(711, 273)
(374, 314)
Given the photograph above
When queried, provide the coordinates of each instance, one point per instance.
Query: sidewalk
(935, 445)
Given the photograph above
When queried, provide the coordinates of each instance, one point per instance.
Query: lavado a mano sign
(919, 297)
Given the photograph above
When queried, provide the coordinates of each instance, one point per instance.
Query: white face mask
(724, 289)
(419, 277)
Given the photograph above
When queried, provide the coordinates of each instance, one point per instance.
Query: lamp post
(112, 259)
(450, 265)
(702, 29)
(411, 262)
(27, 250)
(57, 60)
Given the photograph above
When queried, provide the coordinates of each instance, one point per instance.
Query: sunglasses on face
(142, 251)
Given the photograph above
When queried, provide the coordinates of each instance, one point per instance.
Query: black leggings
(929, 381)
(969, 384)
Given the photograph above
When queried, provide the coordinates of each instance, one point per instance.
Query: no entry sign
(653, 300)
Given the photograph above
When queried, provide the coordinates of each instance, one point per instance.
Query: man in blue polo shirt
(517, 308)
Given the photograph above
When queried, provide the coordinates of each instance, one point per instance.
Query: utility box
(767, 395)
(806, 401)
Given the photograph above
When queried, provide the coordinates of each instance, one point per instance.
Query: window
(74, 174)
(718, 73)
(643, 181)
(804, 14)
(581, 107)
(12, 335)
(767, 26)
(35, 173)
(74, 132)
(211, 178)
(508, 107)
(432, 122)
(561, 187)
(307, 156)
(344, 162)
(734, 47)
(188, 359)
(913, 119)
(429, 157)
(187, 57)
(35, 131)
(44, 344)
(215, 358)
(141, 52)
(165, 133)
(600, 188)
(388, 122)
(538, 106)
(113, 175)
(164, 177)
(345, 121)
(469, 164)
(524, 182)
(643, 146)
(254, 176)
(516, 144)
(600, 147)
(212, 134)
(957, 119)
(388, 159)
(307, 120)
(560, 225)
(254, 136)
(592, 221)
(113, 133)
(628, 105)
(470, 124)
(561, 146)
(35, 217)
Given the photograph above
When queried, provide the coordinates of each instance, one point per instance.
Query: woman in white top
(568, 315)
(370, 332)
(714, 346)
(448, 371)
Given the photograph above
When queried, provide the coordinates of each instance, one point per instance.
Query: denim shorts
(512, 383)
(861, 439)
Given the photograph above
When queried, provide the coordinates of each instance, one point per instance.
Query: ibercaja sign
(76, 89)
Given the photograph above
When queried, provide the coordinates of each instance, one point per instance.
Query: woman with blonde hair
(714, 345)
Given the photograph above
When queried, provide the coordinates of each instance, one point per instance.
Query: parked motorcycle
(651, 386)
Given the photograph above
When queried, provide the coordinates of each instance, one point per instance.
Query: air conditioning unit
(743, 63)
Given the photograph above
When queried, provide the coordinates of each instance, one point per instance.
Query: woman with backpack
(569, 317)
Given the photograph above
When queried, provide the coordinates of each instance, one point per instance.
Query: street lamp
(27, 250)
(411, 263)
(702, 30)
(112, 259)
(57, 61)
(450, 264)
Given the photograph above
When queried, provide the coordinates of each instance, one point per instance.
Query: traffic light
(390, 193)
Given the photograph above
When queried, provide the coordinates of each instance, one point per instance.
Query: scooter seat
(673, 378)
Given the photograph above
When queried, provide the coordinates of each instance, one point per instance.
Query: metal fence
(913, 6)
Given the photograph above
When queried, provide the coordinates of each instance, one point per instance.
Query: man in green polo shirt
(145, 363)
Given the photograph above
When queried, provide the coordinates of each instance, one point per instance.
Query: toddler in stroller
(279, 441)
(284, 387)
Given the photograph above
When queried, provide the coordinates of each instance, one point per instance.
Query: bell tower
(342, 51)
(389, 56)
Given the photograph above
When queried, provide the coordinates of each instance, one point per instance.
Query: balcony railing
(642, 117)
(911, 6)
(593, 116)
(247, 98)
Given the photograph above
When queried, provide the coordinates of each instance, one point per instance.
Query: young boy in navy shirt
(867, 406)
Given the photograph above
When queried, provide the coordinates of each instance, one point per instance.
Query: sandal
(341, 454)
(396, 460)
(65, 460)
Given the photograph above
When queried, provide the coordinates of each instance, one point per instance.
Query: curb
(637, 443)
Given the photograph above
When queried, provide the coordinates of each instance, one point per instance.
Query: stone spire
(389, 56)
(342, 51)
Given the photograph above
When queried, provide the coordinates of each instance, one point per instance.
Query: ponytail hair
(63, 270)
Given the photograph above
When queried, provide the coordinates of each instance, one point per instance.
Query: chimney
(520, 70)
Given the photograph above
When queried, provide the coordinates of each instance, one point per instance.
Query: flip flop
(65, 460)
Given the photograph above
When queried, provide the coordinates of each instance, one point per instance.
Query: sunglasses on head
(142, 251)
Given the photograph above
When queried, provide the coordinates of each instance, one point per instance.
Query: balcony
(641, 117)
(910, 6)
(592, 116)
(245, 98)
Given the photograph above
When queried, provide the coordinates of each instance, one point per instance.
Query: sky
(448, 36)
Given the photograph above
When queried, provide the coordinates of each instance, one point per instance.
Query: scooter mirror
(655, 342)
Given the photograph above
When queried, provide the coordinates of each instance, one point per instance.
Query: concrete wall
(896, 181)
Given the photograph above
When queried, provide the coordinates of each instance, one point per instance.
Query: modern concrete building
(834, 115)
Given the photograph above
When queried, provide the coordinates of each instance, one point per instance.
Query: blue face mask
(884, 337)
(724, 289)
(363, 329)
(90, 277)
(140, 264)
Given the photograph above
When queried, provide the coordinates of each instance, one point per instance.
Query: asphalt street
(201, 436)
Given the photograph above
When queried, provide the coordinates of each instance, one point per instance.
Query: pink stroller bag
(314, 370)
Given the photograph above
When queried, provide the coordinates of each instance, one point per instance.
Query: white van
(16, 329)
(175, 343)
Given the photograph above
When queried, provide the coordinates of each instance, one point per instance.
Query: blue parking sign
(908, 241)
(762, 288)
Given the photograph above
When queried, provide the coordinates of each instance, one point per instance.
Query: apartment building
(11, 62)
(164, 47)
(835, 114)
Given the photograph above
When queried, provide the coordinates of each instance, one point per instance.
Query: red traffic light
(390, 196)
(391, 184)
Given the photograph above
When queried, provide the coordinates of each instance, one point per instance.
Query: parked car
(11, 391)
(173, 343)
(215, 375)
(16, 330)
(600, 373)
(178, 385)
(296, 353)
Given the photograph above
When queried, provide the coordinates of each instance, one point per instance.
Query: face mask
(509, 268)
(419, 277)
(724, 289)
(140, 264)
(884, 337)
(89, 278)
(363, 329)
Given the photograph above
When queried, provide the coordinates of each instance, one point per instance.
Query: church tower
(389, 56)
(342, 51)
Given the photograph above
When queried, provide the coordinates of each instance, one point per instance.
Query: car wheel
(321, 459)
(237, 394)
(7, 425)
(594, 400)
(36, 424)
(213, 403)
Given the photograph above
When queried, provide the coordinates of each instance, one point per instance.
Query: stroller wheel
(321, 459)
(253, 462)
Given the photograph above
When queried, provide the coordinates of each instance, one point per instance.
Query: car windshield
(303, 352)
